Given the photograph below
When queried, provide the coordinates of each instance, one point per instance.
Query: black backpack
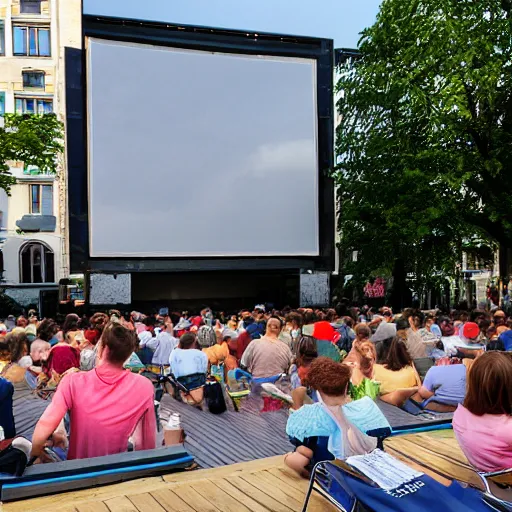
(214, 397)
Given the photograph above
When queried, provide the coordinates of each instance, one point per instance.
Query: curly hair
(98, 321)
(368, 355)
(329, 377)
(18, 346)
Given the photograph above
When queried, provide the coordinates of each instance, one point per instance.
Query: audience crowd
(440, 361)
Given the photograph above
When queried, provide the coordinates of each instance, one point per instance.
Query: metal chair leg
(310, 488)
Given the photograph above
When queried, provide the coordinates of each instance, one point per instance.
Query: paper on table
(386, 471)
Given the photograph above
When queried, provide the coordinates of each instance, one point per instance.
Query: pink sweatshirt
(485, 440)
(106, 406)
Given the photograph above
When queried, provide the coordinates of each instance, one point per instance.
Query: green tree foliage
(425, 142)
(32, 139)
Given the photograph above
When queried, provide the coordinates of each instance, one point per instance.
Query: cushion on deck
(43, 479)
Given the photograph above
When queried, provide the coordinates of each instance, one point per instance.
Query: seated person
(312, 424)
(483, 423)
(189, 366)
(39, 351)
(364, 367)
(306, 354)
(219, 353)
(453, 344)
(106, 405)
(161, 345)
(363, 334)
(268, 357)
(61, 358)
(382, 339)
(398, 377)
(18, 349)
(443, 389)
(6, 412)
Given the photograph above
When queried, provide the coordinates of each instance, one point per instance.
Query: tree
(426, 136)
(32, 139)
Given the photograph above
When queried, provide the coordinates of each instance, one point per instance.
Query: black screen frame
(196, 38)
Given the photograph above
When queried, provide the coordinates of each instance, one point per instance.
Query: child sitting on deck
(322, 431)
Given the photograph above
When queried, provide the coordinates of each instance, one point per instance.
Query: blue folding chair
(349, 491)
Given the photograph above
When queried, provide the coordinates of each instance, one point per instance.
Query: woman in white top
(189, 366)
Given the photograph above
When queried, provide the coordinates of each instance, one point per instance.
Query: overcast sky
(341, 20)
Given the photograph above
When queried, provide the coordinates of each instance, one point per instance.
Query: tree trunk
(400, 294)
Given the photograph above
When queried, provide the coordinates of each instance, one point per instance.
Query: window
(31, 41)
(33, 79)
(2, 38)
(2, 103)
(41, 199)
(30, 7)
(37, 263)
(33, 105)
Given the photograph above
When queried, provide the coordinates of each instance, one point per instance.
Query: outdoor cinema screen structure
(197, 151)
(201, 145)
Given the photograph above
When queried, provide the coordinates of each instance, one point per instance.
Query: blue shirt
(448, 383)
(186, 362)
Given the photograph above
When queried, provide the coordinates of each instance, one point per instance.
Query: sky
(341, 20)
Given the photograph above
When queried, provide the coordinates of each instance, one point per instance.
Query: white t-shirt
(451, 343)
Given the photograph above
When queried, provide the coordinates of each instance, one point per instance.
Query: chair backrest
(346, 488)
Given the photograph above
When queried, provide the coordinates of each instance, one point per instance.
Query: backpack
(214, 397)
(347, 336)
(14, 455)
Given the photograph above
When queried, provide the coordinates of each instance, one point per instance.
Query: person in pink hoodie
(106, 405)
(483, 423)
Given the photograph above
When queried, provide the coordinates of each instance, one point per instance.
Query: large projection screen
(200, 154)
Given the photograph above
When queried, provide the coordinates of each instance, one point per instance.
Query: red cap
(324, 331)
(470, 330)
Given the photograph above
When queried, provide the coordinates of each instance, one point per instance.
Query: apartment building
(33, 235)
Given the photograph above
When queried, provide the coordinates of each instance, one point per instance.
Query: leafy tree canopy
(425, 142)
(33, 139)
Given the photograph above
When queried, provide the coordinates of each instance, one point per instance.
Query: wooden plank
(144, 502)
(418, 467)
(291, 478)
(98, 506)
(273, 491)
(55, 502)
(196, 501)
(267, 502)
(272, 481)
(218, 497)
(442, 448)
(171, 502)
(120, 504)
(441, 465)
(222, 472)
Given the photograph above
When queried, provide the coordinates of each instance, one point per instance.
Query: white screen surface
(200, 154)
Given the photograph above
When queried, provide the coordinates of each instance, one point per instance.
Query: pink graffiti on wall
(375, 290)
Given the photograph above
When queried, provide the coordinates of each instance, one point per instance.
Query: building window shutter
(47, 200)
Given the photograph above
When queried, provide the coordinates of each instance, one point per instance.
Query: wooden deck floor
(260, 486)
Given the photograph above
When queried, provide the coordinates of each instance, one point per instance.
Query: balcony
(37, 223)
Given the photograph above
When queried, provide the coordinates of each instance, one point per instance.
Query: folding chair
(349, 491)
(499, 478)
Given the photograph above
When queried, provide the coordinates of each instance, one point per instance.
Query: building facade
(33, 221)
